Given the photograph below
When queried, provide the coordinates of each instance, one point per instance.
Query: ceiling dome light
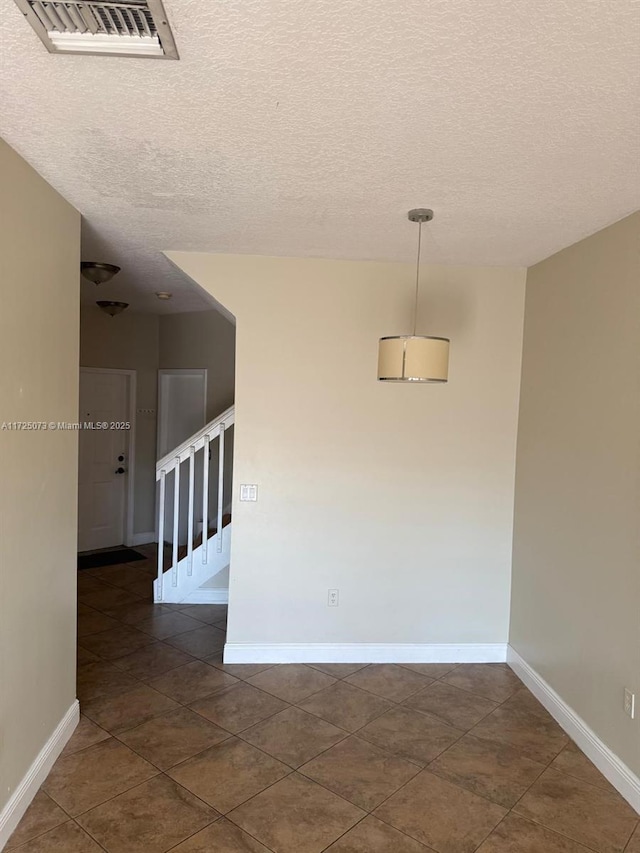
(111, 308)
(98, 273)
(414, 358)
(163, 294)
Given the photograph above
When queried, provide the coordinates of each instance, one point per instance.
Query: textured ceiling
(309, 128)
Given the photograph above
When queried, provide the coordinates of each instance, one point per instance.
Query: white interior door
(182, 410)
(182, 406)
(103, 461)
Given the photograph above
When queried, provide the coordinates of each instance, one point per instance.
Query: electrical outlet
(333, 598)
(629, 703)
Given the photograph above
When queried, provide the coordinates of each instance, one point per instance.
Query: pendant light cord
(415, 307)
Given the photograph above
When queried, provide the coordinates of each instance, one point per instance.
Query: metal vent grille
(119, 28)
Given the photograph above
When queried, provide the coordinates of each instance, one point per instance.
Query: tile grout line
(396, 704)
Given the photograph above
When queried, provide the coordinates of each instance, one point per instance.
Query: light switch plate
(248, 492)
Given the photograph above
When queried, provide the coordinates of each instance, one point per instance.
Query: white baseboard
(142, 539)
(607, 762)
(365, 653)
(208, 596)
(21, 798)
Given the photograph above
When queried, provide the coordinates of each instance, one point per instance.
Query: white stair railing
(172, 462)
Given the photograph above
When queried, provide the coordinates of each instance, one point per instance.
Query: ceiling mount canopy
(414, 358)
(98, 273)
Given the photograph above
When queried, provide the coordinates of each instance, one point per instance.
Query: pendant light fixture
(98, 273)
(111, 308)
(414, 358)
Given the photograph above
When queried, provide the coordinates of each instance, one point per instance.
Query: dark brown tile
(389, 681)
(142, 571)
(431, 670)
(338, 670)
(142, 588)
(86, 734)
(373, 836)
(88, 586)
(524, 701)
(244, 671)
(450, 705)
(201, 643)
(229, 773)
(151, 818)
(495, 681)
(171, 738)
(119, 575)
(516, 835)
(221, 837)
(291, 682)
(94, 623)
(538, 737)
(238, 707)
(164, 625)
(193, 681)
(106, 597)
(41, 816)
(345, 706)
(574, 762)
(296, 816)
(81, 781)
(492, 770)
(135, 612)
(85, 656)
(360, 772)
(66, 838)
(441, 815)
(593, 817)
(126, 710)
(84, 608)
(100, 678)
(150, 661)
(209, 613)
(116, 642)
(293, 736)
(410, 735)
(634, 845)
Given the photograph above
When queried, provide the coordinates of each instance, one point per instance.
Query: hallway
(176, 751)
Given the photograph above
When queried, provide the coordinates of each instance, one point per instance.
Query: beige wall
(202, 339)
(39, 263)
(576, 576)
(130, 342)
(399, 496)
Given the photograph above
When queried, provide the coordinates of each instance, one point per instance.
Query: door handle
(120, 470)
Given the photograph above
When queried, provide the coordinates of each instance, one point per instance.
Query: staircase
(198, 515)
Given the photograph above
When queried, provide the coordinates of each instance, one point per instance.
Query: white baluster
(192, 453)
(220, 485)
(176, 520)
(205, 499)
(163, 475)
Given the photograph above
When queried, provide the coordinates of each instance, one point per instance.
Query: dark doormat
(108, 558)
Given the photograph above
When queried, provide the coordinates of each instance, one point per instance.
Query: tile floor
(176, 751)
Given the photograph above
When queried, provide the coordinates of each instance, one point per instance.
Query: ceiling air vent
(120, 28)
